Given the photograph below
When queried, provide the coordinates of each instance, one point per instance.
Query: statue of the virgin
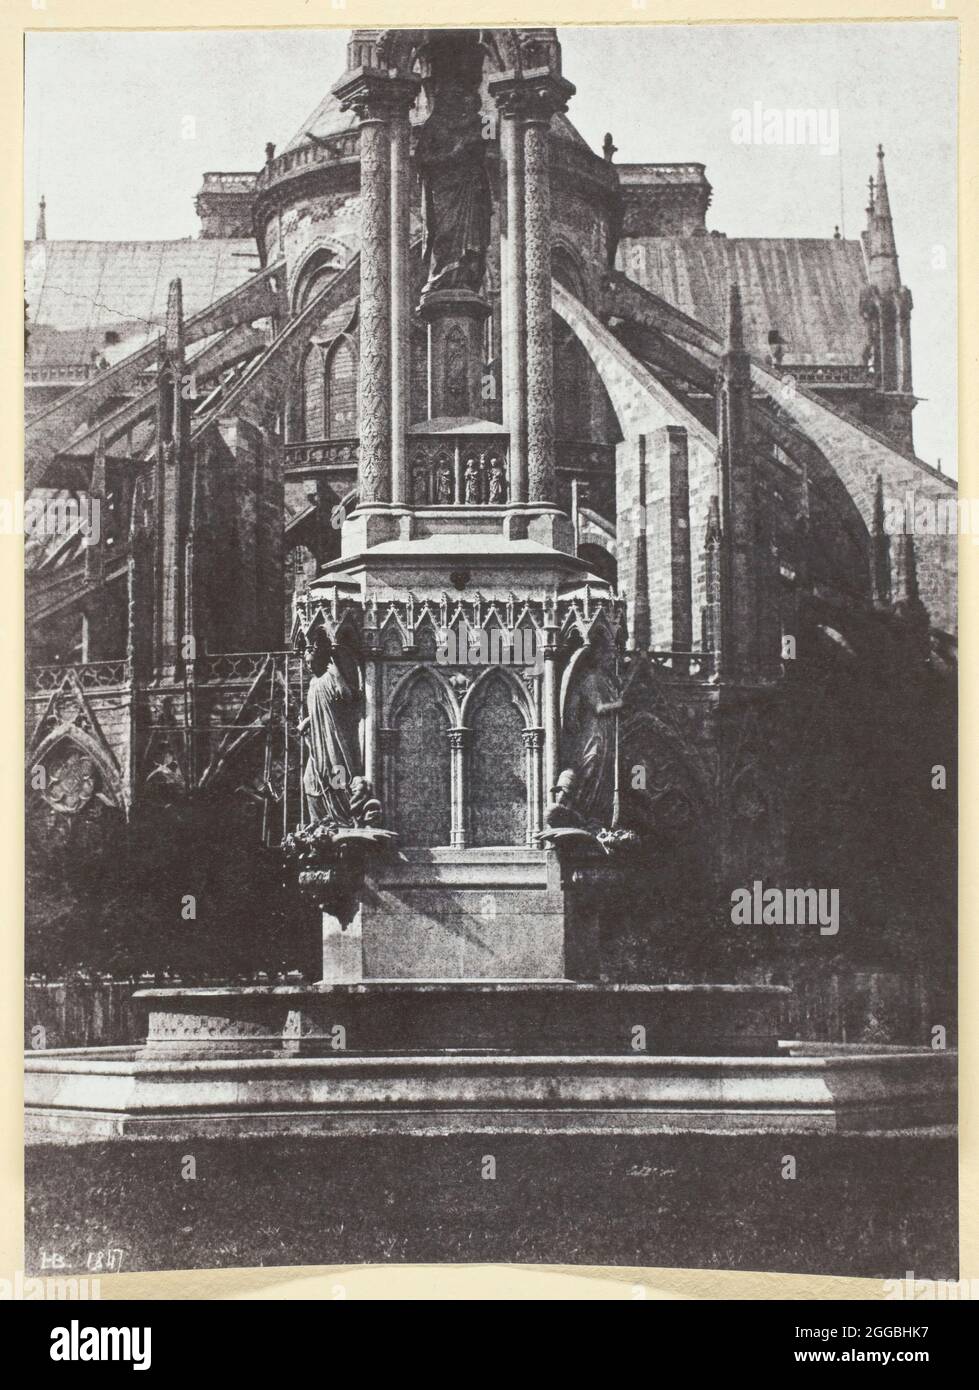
(331, 729)
(451, 157)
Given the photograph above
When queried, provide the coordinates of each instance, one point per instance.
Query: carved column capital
(458, 738)
(376, 95)
(531, 96)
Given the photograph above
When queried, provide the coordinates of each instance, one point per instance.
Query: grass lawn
(857, 1206)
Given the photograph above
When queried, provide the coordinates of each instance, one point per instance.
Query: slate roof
(808, 289)
(77, 291)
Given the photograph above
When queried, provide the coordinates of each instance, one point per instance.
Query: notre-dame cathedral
(438, 369)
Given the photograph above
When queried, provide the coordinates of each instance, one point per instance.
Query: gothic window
(567, 272)
(341, 391)
(316, 274)
(497, 790)
(313, 394)
(423, 797)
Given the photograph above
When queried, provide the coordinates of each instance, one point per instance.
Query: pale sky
(108, 143)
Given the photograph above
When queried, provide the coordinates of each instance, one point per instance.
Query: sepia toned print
(491, 702)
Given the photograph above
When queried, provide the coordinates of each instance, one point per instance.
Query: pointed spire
(711, 620)
(173, 340)
(41, 233)
(882, 206)
(878, 239)
(735, 319)
(904, 582)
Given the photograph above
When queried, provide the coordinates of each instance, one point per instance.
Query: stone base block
(446, 914)
(99, 1093)
(502, 1017)
(343, 950)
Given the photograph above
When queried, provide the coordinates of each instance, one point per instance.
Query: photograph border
(448, 1281)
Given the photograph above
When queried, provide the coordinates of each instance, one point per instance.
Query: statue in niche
(444, 483)
(331, 732)
(589, 718)
(451, 154)
(419, 485)
(497, 480)
(472, 481)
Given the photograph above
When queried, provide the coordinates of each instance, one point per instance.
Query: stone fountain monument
(460, 831)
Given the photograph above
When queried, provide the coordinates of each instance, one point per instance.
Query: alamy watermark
(818, 127)
(491, 647)
(759, 906)
(44, 515)
(917, 515)
(931, 1290)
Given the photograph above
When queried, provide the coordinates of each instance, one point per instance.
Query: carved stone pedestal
(343, 952)
(455, 318)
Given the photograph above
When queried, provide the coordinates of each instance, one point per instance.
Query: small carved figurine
(497, 480)
(472, 481)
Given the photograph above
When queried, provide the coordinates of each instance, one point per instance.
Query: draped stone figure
(590, 739)
(331, 729)
(450, 155)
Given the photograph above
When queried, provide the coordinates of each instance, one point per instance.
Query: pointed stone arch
(60, 743)
(517, 690)
(496, 781)
(419, 773)
(340, 376)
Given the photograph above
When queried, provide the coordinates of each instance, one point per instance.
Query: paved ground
(857, 1206)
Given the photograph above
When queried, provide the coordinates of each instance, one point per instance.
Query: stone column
(374, 393)
(513, 318)
(540, 345)
(372, 720)
(400, 312)
(533, 739)
(458, 742)
(381, 102)
(552, 713)
(526, 106)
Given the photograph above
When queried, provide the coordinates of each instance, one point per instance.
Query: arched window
(422, 776)
(313, 394)
(497, 789)
(566, 270)
(341, 390)
(319, 270)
